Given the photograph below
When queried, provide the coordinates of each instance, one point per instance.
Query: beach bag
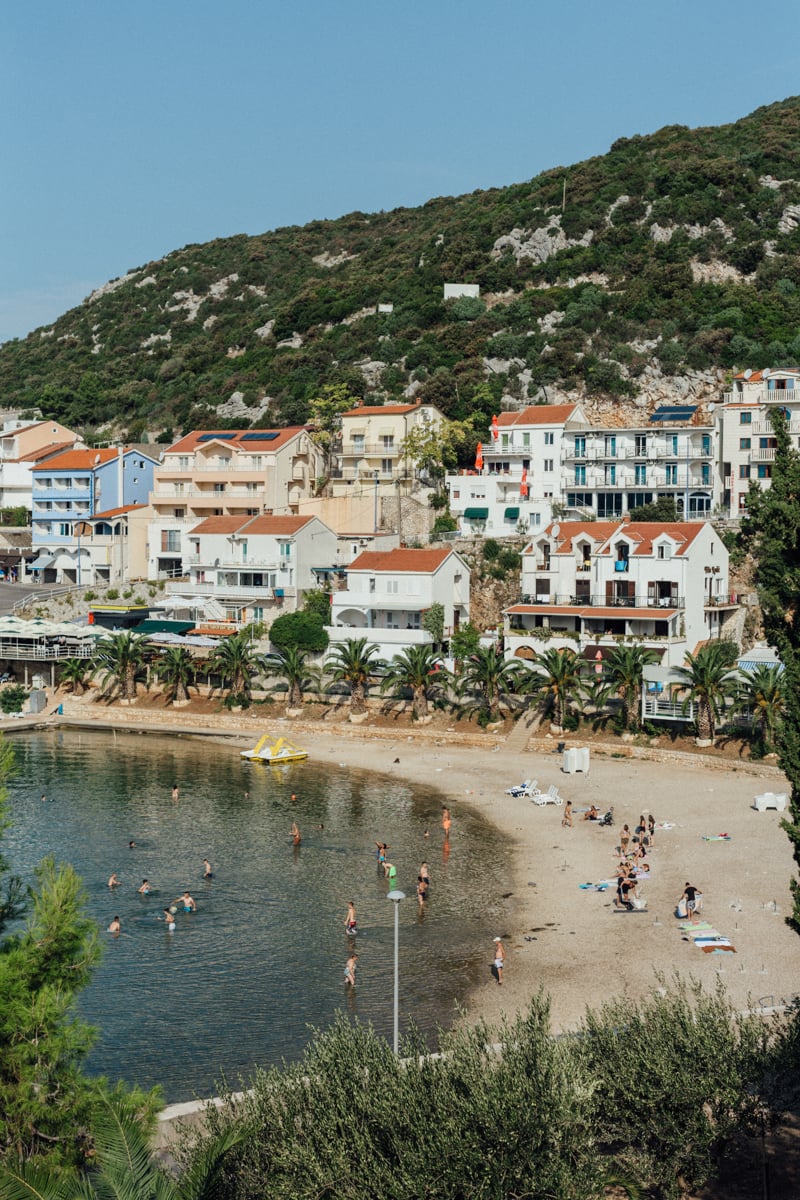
(682, 909)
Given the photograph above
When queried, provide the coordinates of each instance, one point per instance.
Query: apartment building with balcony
(745, 432)
(115, 543)
(24, 445)
(518, 471)
(244, 568)
(67, 491)
(388, 592)
(368, 452)
(607, 472)
(595, 584)
(226, 473)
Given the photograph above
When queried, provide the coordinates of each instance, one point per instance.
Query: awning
(512, 514)
(39, 564)
(476, 514)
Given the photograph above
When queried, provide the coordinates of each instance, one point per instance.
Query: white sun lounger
(551, 796)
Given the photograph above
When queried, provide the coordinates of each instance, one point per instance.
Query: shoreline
(566, 939)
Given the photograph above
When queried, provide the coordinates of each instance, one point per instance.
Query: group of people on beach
(633, 864)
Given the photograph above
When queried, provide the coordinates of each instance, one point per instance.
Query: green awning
(512, 514)
(156, 626)
(476, 514)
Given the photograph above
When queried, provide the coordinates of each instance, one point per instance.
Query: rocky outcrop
(538, 245)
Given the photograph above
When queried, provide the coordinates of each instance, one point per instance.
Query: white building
(518, 472)
(745, 432)
(369, 454)
(388, 593)
(253, 568)
(23, 446)
(596, 584)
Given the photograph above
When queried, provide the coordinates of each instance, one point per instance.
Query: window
(183, 462)
(767, 443)
(171, 541)
(705, 445)
(640, 445)
(580, 476)
(251, 488)
(744, 443)
(640, 473)
(258, 613)
(456, 493)
(526, 441)
(671, 474)
(64, 529)
(285, 549)
(505, 441)
(548, 464)
(358, 441)
(549, 439)
(745, 418)
(219, 488)
(256, 462)
(765, 471)
(372, 583)
(611, 474)
(392, 586)
(705, 474)
(179, 513)
(665, 550)
(672, 444)
(580, 447)
(387, 441)
(386, 466)
(611, 445)
(744, 472)
(533, 520)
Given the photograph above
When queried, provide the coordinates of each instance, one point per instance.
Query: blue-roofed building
(70, 489)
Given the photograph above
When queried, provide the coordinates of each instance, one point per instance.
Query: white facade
(254, 568)
(388, 593)
(600, 583)
(368, 454)
(746, 436)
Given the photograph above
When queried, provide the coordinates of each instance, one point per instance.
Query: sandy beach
(570, 940)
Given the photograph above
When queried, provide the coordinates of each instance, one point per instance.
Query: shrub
(89, 596)
(302, 629)
(112, 594)
(12, 698)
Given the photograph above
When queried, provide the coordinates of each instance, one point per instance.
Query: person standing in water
(112, 880)
(207, 872)
(350, 919)
(446, 823)
(169, 920)
(176, 795)
(115, 927)
(186, 902)
(145, 889)
(296, 838)
(350, 970)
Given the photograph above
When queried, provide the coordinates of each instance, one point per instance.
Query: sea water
(244, 979)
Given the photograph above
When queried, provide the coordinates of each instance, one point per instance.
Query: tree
(305, 630)
(419, 669)
(491, 679)
(433, 622)
(352, 662)
(435, 449)
(464, 641)
(555, 678)
(761, 693)
(236, 660)
(175, 668)
(75, 672)
(662, 509)
(317, 602)
(326, 413)
(118, 658)
(290, 666)
(624, 665)
(772, 528)
(710, 684)
(122, 1163)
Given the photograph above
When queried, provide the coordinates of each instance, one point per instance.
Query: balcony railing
(763, 454)
(352, 475)
(603, 601)
(236, 564)
(368, 449)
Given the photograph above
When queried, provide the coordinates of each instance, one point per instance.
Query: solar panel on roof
(259, 435)
(216, 437)
(674, 412)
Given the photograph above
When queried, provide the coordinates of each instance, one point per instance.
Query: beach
(558, 936)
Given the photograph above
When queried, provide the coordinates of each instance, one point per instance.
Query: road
(11, 593)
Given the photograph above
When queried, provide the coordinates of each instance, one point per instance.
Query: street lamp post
(395, 897)
(375, 506)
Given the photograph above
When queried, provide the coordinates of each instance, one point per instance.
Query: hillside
(672, 257)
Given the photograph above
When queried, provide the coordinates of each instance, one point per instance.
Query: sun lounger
(518, 788)
(551, 796)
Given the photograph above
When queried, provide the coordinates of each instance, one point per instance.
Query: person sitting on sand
(591, 814)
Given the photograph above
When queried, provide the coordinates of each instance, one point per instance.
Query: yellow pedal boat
(282, 751)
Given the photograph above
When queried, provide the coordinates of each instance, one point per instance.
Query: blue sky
(133, 128)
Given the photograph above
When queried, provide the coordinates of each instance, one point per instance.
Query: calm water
(240, 981)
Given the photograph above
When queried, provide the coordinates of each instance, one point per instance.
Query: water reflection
(240, 980)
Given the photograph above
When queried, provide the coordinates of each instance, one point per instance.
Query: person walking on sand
(690, 895)
(567, 817)
(296, 838)
(624, 840)
(499, 959)
(350, 970)
(350, 920)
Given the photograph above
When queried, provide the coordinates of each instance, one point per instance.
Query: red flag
(523, 487)
(479, 457)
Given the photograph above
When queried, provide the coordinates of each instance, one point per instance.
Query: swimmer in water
(446, 822)
(383, 849)
(131, 845)
(350, 970)
(207, 872)
(176, 795)
(186, 902)
(350, 919)
(145, 889)
(115, 926)
(113, 881)
(169, 920)
(296, 838)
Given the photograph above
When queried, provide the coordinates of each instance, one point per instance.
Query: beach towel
(712, 941)
(692, 935)
(718, 949)
(716, 837)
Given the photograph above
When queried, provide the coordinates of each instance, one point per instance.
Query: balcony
(600, 600)
(353, 475)
(764, 428)
(368, 450)
(236, 564)
(763, 454)
(394, 637)
(220, 591)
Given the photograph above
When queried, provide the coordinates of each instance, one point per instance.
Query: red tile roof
(538, 414)
(115, 512)
(80, 460)
(264, 523)
(221, 524)
(420, 562)
(233, 438)
(44, 452)
(642, 533)
(382, 410)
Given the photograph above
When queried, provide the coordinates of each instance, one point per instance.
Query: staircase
(517, 740)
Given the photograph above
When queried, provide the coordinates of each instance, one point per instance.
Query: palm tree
(118, 658)
(761, 693)
(710, 683)
(352, 662)
(555, 673)
(175, 668)
(75, 672)
(625, 665)
(420, 669)
(492, 677)
(123, 1164)
(235, 660)
(290, 666)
